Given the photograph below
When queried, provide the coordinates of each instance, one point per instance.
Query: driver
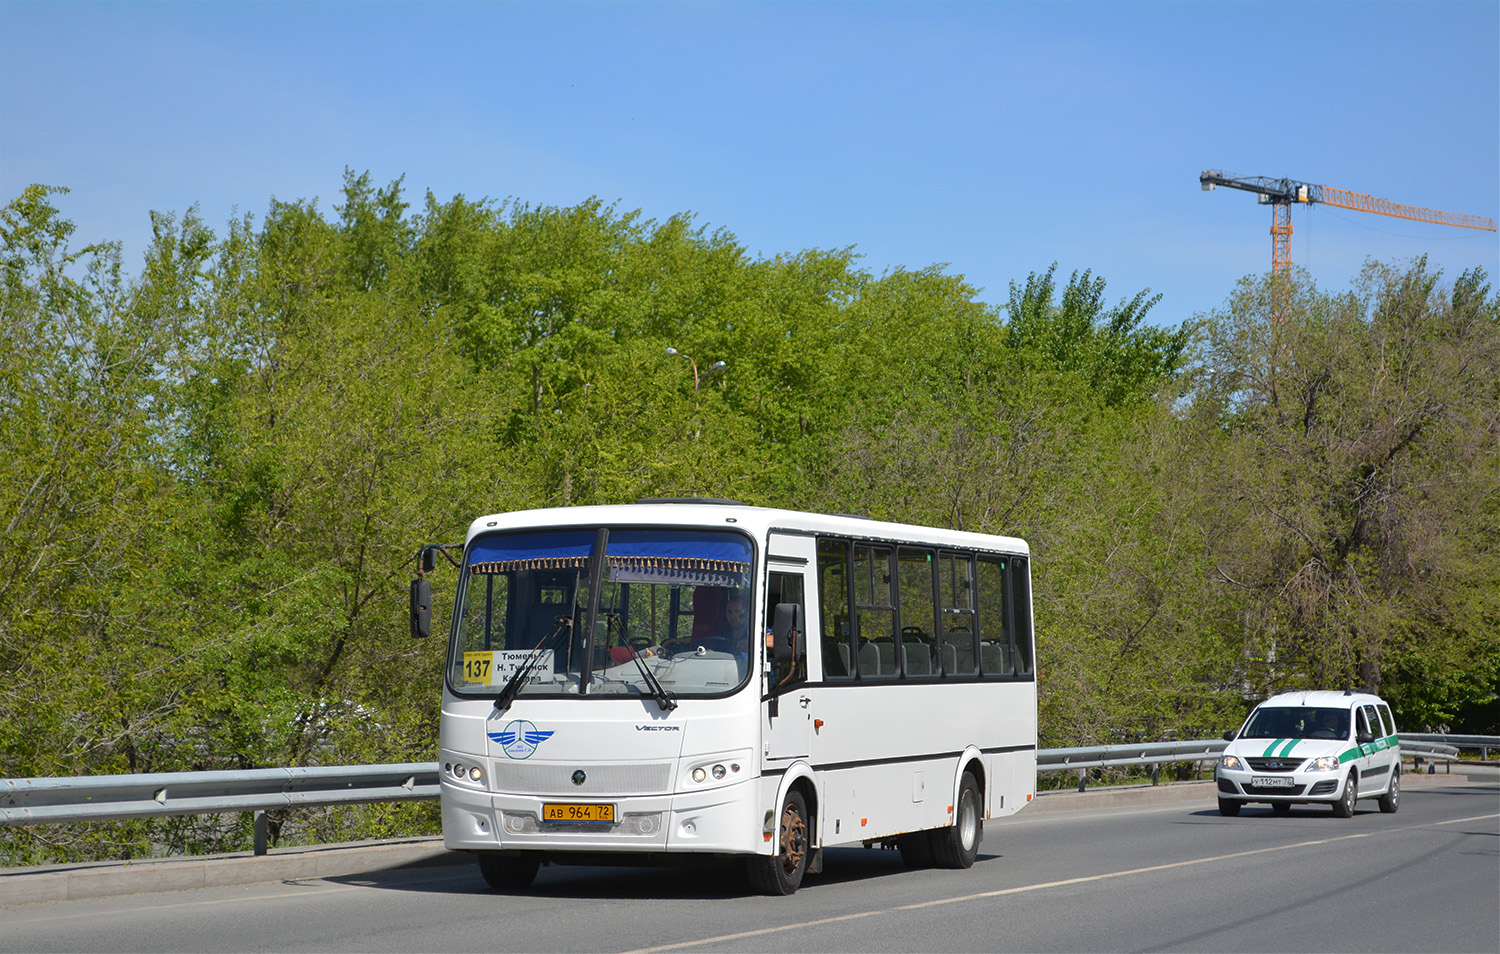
(1325, 726)
(733, 636)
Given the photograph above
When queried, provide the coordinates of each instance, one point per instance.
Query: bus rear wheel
(505, 871)
(958, 845)
(781, 873)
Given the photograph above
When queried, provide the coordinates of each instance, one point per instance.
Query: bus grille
(600, 778)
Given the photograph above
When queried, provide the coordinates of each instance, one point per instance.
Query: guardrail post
(1156, 775)
(262, 833)
(1083, 779)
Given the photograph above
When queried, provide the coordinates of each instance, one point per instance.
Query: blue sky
(993, 137)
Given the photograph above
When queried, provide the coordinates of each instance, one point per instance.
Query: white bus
(693, 680)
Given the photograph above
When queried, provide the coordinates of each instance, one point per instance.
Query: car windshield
(677, 599)
(1297, 722)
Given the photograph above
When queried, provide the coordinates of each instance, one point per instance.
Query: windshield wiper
(519, 677)
(665, 701)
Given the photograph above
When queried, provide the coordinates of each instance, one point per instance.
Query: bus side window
(917, 653)
(875, 612)
(996, 655)
(833, 615)
(1020, 605)
(787, 588)
(956, 610)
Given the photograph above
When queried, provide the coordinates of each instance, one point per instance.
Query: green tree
(1120, 358)
(1357, 461)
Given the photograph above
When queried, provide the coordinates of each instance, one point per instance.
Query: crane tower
(1282, 194)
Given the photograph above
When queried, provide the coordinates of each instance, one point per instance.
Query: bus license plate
(575, 813)
(1261, 781)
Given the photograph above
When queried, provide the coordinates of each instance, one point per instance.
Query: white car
(1332, 747)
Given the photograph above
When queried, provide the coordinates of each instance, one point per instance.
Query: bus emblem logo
(579, 777)
(520, 739)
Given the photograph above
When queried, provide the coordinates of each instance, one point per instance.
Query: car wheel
(1229, 807)
(1391, 800)
(1344, 807)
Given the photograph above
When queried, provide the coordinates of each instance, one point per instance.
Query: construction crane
(1282, 194)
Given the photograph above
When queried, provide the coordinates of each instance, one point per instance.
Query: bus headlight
(719, 767)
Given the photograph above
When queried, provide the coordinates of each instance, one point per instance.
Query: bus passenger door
(787, 716)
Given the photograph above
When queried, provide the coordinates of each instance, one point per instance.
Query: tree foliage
(219, 469)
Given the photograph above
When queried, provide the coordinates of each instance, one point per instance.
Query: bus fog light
(519, 823)
(644, 824)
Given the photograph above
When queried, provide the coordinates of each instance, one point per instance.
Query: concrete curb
(109, 879)
(113, 878)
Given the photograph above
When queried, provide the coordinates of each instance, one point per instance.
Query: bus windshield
(675, 602)
(1298, 722)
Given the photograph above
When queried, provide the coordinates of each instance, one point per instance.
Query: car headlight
(1231, 762)
(1323, 763)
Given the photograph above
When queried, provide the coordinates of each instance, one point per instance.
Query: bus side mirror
(421, 608)
(427, 559)
(787, 628)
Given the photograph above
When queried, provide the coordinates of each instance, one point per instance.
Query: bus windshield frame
(605, 612)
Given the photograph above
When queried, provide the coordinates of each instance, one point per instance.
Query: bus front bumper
(719, 820)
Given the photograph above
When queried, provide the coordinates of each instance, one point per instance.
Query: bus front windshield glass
(1298, 722)
(668, 606)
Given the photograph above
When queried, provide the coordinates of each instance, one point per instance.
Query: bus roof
(758, 521)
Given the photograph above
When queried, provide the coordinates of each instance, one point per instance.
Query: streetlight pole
(698, 381)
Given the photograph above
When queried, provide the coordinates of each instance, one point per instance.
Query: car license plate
(575, 813)
(1262, 781)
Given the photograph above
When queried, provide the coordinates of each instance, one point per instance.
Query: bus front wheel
(781, 873)
(504, 871)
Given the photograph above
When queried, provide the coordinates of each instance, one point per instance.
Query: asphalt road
(1172, 877)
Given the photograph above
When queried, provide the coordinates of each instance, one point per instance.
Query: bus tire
(781, 873)
(958, 845)
(506, 871)
(916, 849)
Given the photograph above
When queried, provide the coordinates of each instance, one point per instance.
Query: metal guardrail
(37, 801)
(1156, 754)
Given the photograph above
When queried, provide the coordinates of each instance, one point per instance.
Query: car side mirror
(1229, 736)
(1364, 737)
